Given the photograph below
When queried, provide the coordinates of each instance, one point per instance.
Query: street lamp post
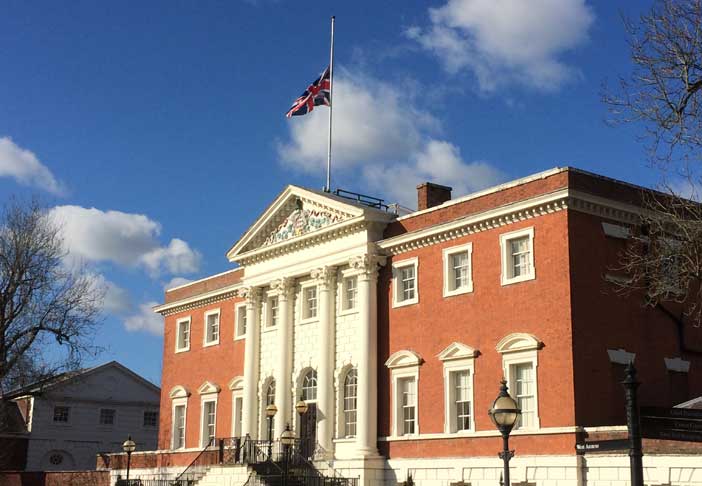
(271, 410)
(287, 438)
(129, 446)
(504, 414)
(301, 407)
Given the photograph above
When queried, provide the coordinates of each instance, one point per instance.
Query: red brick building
(396, 331)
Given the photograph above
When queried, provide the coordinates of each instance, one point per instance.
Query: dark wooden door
(308, 431)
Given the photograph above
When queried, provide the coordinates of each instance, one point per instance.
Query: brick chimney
(430, 195)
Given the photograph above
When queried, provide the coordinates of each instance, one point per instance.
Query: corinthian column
(367, 403)
(325, 278)
(283, 289)
(251, 350)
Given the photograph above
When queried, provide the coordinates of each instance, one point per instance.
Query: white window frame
(447, 254)
(263, 403)
(516, 349)
(396, 287)
(236, 385)
(179, 397)
(403, 364)
(303, 309)
(345, 307)
(180, 321)
(114, 417)
(68, 415)
(206, 325)
(143, 416)
(457, 357)
(237, 321)
(268, 314)
(505, 251)
(209, 398)
(209, 392)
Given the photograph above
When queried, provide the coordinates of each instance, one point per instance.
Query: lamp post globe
(271, 410)
(287, 438)
(301, 407)
(504, 414)
(129, 446)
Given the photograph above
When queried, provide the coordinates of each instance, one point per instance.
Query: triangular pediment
(298, 213)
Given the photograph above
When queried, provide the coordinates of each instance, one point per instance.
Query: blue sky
(155, 130)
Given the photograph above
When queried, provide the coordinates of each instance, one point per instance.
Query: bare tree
(664, 87)
(661, 95)
(48, 310)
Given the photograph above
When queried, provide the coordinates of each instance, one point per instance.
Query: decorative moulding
(404, 358)
(208, 387)
(179, 391)
(620, 356)
(518, 341)
(677, 364)
(236, 383)
(458, 351)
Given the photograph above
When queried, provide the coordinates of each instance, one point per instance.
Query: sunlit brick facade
(398, 329)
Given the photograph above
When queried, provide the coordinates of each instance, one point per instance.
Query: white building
(71, 419)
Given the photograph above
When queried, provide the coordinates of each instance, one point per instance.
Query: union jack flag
(316, 94)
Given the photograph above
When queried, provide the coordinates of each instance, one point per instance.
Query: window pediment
(236, 383)
(404, 358)
(179, 391)
(458, 350)
(208, 387)
(518, 341)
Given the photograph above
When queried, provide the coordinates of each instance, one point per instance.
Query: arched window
(309, 386)
(270, 400)
(350, 394)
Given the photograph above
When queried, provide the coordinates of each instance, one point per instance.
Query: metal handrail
(197, 458)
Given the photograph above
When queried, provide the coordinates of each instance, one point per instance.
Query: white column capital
(367, 264)
(282, 287)
(252, 295)
(324, 277)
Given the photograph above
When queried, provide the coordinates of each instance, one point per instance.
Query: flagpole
(327, 187)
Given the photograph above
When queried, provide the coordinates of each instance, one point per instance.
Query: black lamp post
(129, 446)
(287, 438)
(301, 407)
(504, 413)
(271, 410)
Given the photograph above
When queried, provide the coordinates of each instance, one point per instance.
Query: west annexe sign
(682, 424)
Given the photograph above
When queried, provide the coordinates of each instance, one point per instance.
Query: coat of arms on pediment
(302, 220)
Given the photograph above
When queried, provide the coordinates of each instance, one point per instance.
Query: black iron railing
(364, 199)
(271, 463)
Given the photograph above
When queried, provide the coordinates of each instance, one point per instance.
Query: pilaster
(251, 352)
(283, 289)
(367, 426)
(325, 278)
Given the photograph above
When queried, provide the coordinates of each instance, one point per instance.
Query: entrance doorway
(308, 431)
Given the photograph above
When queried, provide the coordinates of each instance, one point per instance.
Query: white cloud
(145, 320)
(126, 239)
(380, 135)
(24, 166)
(438, 161)
(176, 282)
(507, 41)
(116, 300)
(373, 121)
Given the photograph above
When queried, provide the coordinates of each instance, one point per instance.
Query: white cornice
(198, 300)
(209, 277)
(489, 190)
(512, 213)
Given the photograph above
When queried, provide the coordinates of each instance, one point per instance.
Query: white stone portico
(305, 244)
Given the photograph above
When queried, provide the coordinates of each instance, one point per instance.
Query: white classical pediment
(299, 213)
(237, 383)
(457, 351)
(518, 341)
(403, 358)
(179, 391)
(208, 387)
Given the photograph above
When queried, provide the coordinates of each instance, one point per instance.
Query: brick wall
(218, 364)
(58, 478)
